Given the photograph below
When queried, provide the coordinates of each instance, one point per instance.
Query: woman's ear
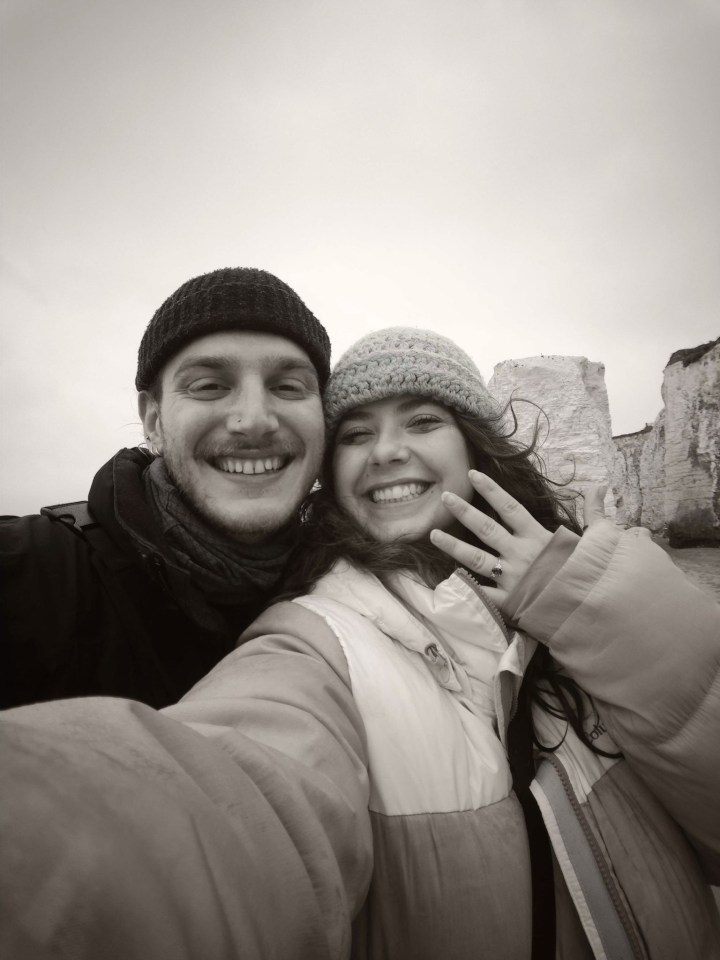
(149, 410)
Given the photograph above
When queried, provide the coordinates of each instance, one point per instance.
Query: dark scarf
(227, 572)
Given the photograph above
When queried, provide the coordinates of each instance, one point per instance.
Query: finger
(512, 513)
(594, 505)
(497, 595)
(477, 522)
(475, 559)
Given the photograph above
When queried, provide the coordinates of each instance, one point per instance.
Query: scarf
(226, 571)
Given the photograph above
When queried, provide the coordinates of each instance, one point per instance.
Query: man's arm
(46, 590)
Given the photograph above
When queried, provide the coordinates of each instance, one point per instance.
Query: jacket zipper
(497, 616)
(610, 884)
(469, 579)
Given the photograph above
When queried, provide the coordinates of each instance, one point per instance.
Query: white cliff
(639, 479)
(577, 446)
(668, 476)
(665, 477)
(691, 393)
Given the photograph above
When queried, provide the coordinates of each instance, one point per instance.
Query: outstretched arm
(232, 824)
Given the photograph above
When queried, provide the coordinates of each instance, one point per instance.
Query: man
(140, 592)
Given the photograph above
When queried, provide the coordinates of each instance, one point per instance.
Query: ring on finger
(497, 570)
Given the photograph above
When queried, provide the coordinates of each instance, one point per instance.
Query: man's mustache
(277, 448)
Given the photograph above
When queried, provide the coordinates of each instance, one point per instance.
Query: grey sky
(527, 177)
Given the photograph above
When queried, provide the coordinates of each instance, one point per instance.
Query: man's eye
(206, 389)
(290, 387)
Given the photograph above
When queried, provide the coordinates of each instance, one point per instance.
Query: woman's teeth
(398, 493)
(235, 465)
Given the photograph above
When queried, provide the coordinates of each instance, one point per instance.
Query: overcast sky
(526, 176)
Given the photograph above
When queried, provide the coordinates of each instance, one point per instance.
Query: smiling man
(139, 591)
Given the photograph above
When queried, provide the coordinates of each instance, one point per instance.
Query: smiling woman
(408, 416)
(392, 460)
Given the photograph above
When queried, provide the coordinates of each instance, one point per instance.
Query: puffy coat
(106, 611)
(339, 785)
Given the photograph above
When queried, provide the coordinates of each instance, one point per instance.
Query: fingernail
(449, 498)
(476, 475)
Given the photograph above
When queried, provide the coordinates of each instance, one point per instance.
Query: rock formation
(577, 446)
(669, 478)
(665, 477)
(639, 477)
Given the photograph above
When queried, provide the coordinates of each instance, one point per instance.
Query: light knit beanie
(406, 360)
(234, 298)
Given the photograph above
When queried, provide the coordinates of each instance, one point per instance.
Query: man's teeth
(236, 465)
(398, 492)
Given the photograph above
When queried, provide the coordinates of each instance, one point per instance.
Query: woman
(368, 774)
(436, 672)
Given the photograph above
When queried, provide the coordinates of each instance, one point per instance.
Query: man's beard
(238, 528)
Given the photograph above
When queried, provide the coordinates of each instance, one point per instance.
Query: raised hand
(517, 546)
(593, 506)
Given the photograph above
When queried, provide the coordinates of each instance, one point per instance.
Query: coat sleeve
(233, 824)
(644, 641)
(46, 591)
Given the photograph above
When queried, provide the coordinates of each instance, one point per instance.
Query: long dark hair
(328, 532)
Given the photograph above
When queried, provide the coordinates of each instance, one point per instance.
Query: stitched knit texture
(406, 360)
(234, 298)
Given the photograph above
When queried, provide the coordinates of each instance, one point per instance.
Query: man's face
(241, 429)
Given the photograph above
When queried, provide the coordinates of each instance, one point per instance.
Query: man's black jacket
(106, 611)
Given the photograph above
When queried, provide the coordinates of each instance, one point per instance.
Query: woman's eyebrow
(410, 404)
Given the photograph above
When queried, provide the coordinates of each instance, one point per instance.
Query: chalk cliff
(668, 475)
(639, 477)
(665, 477)
(577, 446)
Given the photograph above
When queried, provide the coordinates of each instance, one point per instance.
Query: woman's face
(391, 461)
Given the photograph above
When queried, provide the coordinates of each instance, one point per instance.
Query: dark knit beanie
(406, 360)
(234, 298)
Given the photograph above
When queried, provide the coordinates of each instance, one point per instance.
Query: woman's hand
(594, 504)
(517, 547)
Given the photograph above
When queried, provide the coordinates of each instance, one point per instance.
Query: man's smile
(250, 466)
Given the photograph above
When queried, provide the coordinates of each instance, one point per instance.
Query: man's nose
(252, 412)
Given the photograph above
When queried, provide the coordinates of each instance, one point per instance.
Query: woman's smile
(392, 460)
(400, 491)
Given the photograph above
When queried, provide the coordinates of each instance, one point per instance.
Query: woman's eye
(425, 421)
(353, 436)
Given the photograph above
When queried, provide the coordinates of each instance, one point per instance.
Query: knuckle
(486, 524)
(476, 558)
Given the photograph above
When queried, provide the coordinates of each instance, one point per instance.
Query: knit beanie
(234, 298)
(406, 360)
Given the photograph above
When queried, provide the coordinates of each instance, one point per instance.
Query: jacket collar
(454, 618)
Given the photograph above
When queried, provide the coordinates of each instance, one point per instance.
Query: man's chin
(251, 527)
